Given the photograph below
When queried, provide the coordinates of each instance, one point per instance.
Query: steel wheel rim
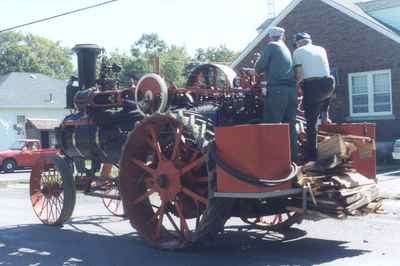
(151, 94)
(272, 222)
(156, 184)
(9, 166)
(114, 206)
(47, 192)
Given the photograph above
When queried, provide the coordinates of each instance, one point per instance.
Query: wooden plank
(374, 207)
(312, 167)
(351, 199)
(367, 197)
(331, 147)
(350, 191)
(328, 204)
(351, 180)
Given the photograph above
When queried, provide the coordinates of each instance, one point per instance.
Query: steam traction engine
(185, 159)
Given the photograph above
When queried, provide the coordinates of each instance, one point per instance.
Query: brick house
(363, 44)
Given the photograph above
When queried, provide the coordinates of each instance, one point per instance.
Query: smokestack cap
(93, 47)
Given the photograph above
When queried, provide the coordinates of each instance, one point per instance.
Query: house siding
(8, 118)
(352, 47)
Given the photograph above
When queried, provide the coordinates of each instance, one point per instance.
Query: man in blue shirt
(280, 104)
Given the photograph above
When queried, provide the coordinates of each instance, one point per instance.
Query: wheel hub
(148, 96)
(167, 181)
(51, 190)
(162, 181)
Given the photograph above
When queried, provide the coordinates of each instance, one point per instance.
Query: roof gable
(347, 7)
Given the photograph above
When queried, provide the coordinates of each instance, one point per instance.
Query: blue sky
(116, 26)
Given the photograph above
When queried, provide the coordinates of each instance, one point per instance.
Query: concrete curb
(5, 183)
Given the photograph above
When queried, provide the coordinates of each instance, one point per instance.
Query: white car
(396, 150)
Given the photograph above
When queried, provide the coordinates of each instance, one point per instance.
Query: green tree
(173, 62)
(150, 44)
(220, 54)
(173, 59)
(30, 53)
(133, 66)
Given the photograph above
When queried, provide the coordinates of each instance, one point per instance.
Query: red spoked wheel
(52, 190)
(112, 200)
(114, 205)
(277, 222)
(163, 182)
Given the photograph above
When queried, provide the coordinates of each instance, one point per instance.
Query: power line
(57, 16)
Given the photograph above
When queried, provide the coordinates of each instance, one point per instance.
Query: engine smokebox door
(261, 151)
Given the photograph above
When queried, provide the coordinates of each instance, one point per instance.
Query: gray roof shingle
(21, 89)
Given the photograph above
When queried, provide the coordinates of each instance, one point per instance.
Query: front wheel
(52, 190)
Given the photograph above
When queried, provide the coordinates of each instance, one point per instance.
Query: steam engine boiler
(102, 114)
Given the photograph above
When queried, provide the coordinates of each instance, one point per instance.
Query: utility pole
(271, 8)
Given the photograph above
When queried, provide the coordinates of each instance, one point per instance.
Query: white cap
(276, 32)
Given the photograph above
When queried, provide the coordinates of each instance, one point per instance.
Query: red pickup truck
(23, 154)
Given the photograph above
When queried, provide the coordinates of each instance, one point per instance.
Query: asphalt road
(95, 238)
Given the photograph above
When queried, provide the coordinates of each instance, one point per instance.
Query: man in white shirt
(312, 72)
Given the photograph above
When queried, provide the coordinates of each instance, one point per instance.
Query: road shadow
(382, 169)
(37, 244)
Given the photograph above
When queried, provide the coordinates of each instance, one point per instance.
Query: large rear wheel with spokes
(164, 182)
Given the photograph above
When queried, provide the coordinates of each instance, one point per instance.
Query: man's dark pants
(280, 106)
(317, 95)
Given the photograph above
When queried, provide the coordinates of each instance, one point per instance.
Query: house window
(370, 93)
(21, 119)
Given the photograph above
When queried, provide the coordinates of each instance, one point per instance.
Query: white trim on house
(291, 6)
(370, 93)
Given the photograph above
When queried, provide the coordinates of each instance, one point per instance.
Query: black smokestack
(87, 57)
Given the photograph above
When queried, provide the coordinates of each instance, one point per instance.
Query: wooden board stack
(336, 189)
